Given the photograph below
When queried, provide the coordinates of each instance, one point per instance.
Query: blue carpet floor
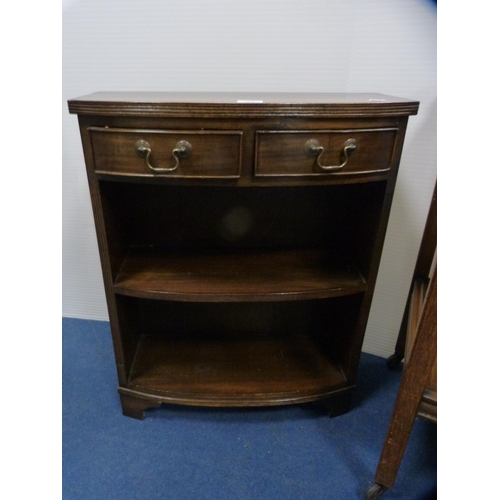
(186, 453)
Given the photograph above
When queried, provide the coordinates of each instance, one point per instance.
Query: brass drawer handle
(182, 150)
(314, 149)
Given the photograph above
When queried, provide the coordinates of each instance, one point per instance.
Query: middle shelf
(237, 275)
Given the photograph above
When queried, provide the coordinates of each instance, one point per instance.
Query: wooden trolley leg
(394, 361)
(413, 383)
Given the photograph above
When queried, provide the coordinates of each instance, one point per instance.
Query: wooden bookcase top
(242, 104)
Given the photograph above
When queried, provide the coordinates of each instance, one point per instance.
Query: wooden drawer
(324, 152)
(172, 153)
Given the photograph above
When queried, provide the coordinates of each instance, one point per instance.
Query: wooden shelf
(233, 371)
(250, 275)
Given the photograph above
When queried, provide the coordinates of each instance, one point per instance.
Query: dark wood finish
(224, 287)
(135, 407)
(413, 384)
(283, 153)
(216, 154)
(237, 275)
(241, 104)
(221, 371)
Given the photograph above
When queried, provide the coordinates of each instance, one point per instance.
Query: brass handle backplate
(182, 149)
(313, 148)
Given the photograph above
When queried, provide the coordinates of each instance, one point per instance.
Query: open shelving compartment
(240, 238)
(237, 354)
(243, 296)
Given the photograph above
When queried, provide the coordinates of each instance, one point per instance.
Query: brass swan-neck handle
(182, 149)
(313, 148)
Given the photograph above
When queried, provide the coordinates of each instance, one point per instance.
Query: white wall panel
(386, 46)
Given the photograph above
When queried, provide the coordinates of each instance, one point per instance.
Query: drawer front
(324, 152)
(171, 153)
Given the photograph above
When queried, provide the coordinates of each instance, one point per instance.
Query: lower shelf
(234, 372)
